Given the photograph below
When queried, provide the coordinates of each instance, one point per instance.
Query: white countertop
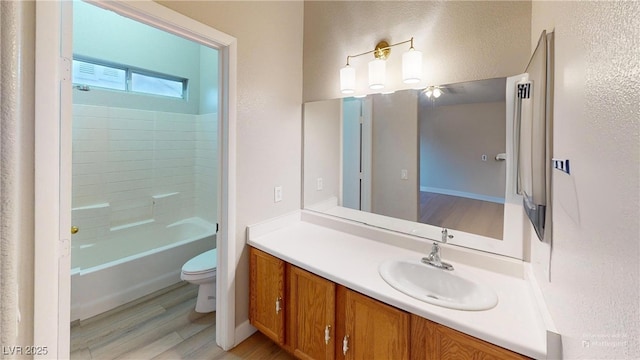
(352, 261)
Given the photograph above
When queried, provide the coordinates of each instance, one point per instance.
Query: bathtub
(133, 261)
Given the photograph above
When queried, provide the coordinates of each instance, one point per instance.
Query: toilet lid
(207, 261)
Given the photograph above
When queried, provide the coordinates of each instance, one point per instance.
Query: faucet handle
(445, 236)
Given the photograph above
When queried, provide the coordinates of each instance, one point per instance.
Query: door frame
(53, 164)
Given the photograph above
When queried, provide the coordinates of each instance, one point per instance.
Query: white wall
(269, 111)
(353, 134)
(209, 80)
(593, 292)
(322, 122)
(453, 139)
(395, 148)
(460, 41)
(206, 167)
(106, 36)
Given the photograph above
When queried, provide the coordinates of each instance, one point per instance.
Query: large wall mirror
(416, 163)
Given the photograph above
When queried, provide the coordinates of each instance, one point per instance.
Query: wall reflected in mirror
(462, 136)
(437, 161)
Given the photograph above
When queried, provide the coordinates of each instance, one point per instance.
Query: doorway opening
(164, 130)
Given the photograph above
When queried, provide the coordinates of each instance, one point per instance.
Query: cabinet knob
(74, 229)
(327, 336)
(345, 344)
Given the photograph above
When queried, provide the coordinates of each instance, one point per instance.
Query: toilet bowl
(201, 270)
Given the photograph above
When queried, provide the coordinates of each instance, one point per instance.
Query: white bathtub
(133, 261)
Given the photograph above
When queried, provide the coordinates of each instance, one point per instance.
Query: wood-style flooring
(162, 325)
(469, 215)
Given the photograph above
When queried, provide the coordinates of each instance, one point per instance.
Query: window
(150, 84)
(123, 78)
(107, 77)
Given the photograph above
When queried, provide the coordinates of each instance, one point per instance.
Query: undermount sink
(437, 286)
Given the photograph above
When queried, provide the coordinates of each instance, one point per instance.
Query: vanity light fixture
(411, 67)
(433, 91)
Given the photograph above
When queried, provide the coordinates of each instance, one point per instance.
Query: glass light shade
(436, 93)
(377, 70)
(429, 92)
(411, 66)
(347, 80)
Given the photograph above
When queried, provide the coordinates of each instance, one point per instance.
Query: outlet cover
(277, 194)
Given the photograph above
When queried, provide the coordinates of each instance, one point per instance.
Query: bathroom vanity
(315, 289)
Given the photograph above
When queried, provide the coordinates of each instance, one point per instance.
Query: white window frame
(128, 81)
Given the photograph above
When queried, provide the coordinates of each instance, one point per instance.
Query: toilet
(201, 270)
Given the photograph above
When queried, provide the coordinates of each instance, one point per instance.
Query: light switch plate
(277, 194)
(404, 174)
(319, 184)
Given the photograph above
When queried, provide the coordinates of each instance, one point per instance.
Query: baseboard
(464, 194)
(243, 331)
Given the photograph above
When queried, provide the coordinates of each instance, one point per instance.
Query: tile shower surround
(125, 160)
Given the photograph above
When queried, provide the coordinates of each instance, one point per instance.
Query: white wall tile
(123, 113)
(89, 134)
(137, 145)
(89, 199)
(130, 124)
(124, 157)
(91, 145)
(174, 135)
(130, 203)
(127, 185)
(124, 134)
(130, 155)
(127, 216)
(89, 157)
(174, 144)
(87, 169)
(127, 165)
(90, 122)
(90, 110)
(130, 175)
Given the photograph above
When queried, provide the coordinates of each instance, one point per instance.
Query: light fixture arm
(382, 50)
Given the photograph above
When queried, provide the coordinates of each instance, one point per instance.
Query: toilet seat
(206, 262)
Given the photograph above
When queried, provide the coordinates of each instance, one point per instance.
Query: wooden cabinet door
(266, 294)
(372, 330)
(311, 313)
(432, 341)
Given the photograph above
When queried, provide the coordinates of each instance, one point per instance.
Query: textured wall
(460, 41)
(269, 111)
(17, 50)
(594, 289)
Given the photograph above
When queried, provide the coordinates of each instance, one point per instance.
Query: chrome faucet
(433, 258)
